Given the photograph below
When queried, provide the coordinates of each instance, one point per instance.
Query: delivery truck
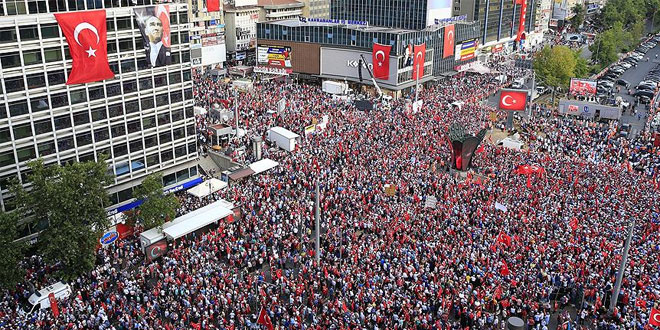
(335, 88)
(283, 138)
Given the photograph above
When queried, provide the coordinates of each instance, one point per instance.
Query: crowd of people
(543, 247)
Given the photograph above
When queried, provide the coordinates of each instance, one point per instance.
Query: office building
(316, 8)
(400, 14)
(207, 36)
(142, 118)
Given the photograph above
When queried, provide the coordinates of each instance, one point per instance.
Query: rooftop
(280, 4)
(341, 23)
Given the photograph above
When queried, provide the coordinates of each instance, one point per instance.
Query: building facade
(401, 14)
(240, 31)
(316, 8)
(142, 119)
(207, 36)
(273, 10)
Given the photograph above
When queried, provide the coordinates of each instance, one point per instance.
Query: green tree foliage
(610, 43)
(582, 69)
(578, 17)
(158, 207)
(70, 199)
(555, 66)
(626, 12)
(12, 252)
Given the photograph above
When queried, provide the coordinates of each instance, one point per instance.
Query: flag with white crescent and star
(85, 32)
(513, 99)
(654, 318)
(449, 41)
(418, 61)
(380, 57)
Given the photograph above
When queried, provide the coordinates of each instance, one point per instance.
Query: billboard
(466, 50)
(154, 25)
(438, 10)
(582, 86)
(342, 63)
(277, 56)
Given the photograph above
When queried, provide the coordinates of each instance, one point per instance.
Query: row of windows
(168, 180)
(52, 30)
(98, 135)
(45, 126)
(23, 7)
(409, 14)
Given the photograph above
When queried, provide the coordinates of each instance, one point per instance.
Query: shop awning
(241, 173)
(196, 220)
(207, 187)
(263, 165)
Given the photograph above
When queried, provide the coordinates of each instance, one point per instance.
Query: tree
(12, 252)
(158, 207)
(581, 66)
(70, 199)
(555, 66)
(610, 43)
(578, 16)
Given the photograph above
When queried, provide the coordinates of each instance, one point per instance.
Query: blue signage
(109, 238)
(139, 202)
(439, 21)
(586, 109)
(334, 21)
(212, 22)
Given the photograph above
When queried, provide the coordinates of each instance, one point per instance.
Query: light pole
(622, 268)
(317, 226)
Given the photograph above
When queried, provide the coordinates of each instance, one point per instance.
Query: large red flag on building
(418, 61)
(264, 319)
(380, 57)
(515, 100)
(521, 25)
(85, 32)
(53, 305)
(449, 41)
(654, 318)
(213, 5)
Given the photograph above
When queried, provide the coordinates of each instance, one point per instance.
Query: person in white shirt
(157, 53)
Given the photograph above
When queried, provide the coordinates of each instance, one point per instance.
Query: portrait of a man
(154, 24)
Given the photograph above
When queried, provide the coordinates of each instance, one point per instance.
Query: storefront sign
(139, 202)
(337, 21)
(109, 238)
(440, 21)
(277, 56)
(271, 70)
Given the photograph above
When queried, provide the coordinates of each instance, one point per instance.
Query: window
(120, 150)
(147, 102)
(132, 107)
(112, 47)
(163, 118)
(50, 30)
(150, 141)
(39, 103)
(36, 80)
(84, 139)
(115, 110)
(180, 152)
(133, 126)
(43, 126)
(130, 86)
(78, 96)
(8, 34)
(26, 153)
(124, 23)
(177, 115)
(175, 77)
(32, 57)
(101, 134)
(149, 122)
(127, 65)
(55, 78)
(81, 118)
(114, 67)
(176, 58)
(22, 131)
(173, 18)
(188, 93)
(135, 145)
(142, 63)
(53, 54)
(166, 156)
(62, 122)
(190, 112)
(187, 76)
(118, 130)
(96, 93)
(99, 114)
(126, 45)
(5, 135)
(14, 84)
(151, 159)
(18, 108)
(125, 195)
(46, 148)
(193, 170)
(10, 60)
(185, 56)
(169, 179)
(7, 158)
(159, 80)
(165, 137)
(113, 89)
(88, 157)
(183, 174)
(59, 100)
(176, 97)
(145, 83)
(161, 100)
(191, 130)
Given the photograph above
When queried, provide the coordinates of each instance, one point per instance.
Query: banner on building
(85, 32)
(156, 250)
(521, 23)
(154, 25)
(419, 60)
(466, 50)
(449, 41)
(278, 56)
(582, 86)
(380, 56)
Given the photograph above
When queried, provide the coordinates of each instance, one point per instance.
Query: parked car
(645, 93)
(623, 82)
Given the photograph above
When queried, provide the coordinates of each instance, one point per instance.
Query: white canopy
(197, 219)
(207, 187)
(263, 165)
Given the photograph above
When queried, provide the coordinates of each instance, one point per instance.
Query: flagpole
(316, 218)
(416, 87)
(622, 267)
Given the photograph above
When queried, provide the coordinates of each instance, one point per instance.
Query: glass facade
(499, 18)
(41, 116)
(401, 14)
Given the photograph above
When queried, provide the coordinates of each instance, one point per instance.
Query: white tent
(263, 165)
(197, 219)
(207, 187)
(479, 68)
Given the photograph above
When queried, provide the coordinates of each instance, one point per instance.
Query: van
(40, 298)
(518, 83)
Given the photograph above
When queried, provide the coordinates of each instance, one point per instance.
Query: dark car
(645, 93)
(623, 82)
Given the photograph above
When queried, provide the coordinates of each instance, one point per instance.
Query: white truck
(336, 88)
(283, 138)
(39, 300)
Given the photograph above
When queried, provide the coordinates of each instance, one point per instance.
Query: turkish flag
(574, 223)
(85, 32)
(504, 270)
(521, 25)
(264, 319)
(420, 52)
(380, 57)
(654, 318)
(53, 305)
(449, 41)
(515, 100)
(504, 239)
(213, 5)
